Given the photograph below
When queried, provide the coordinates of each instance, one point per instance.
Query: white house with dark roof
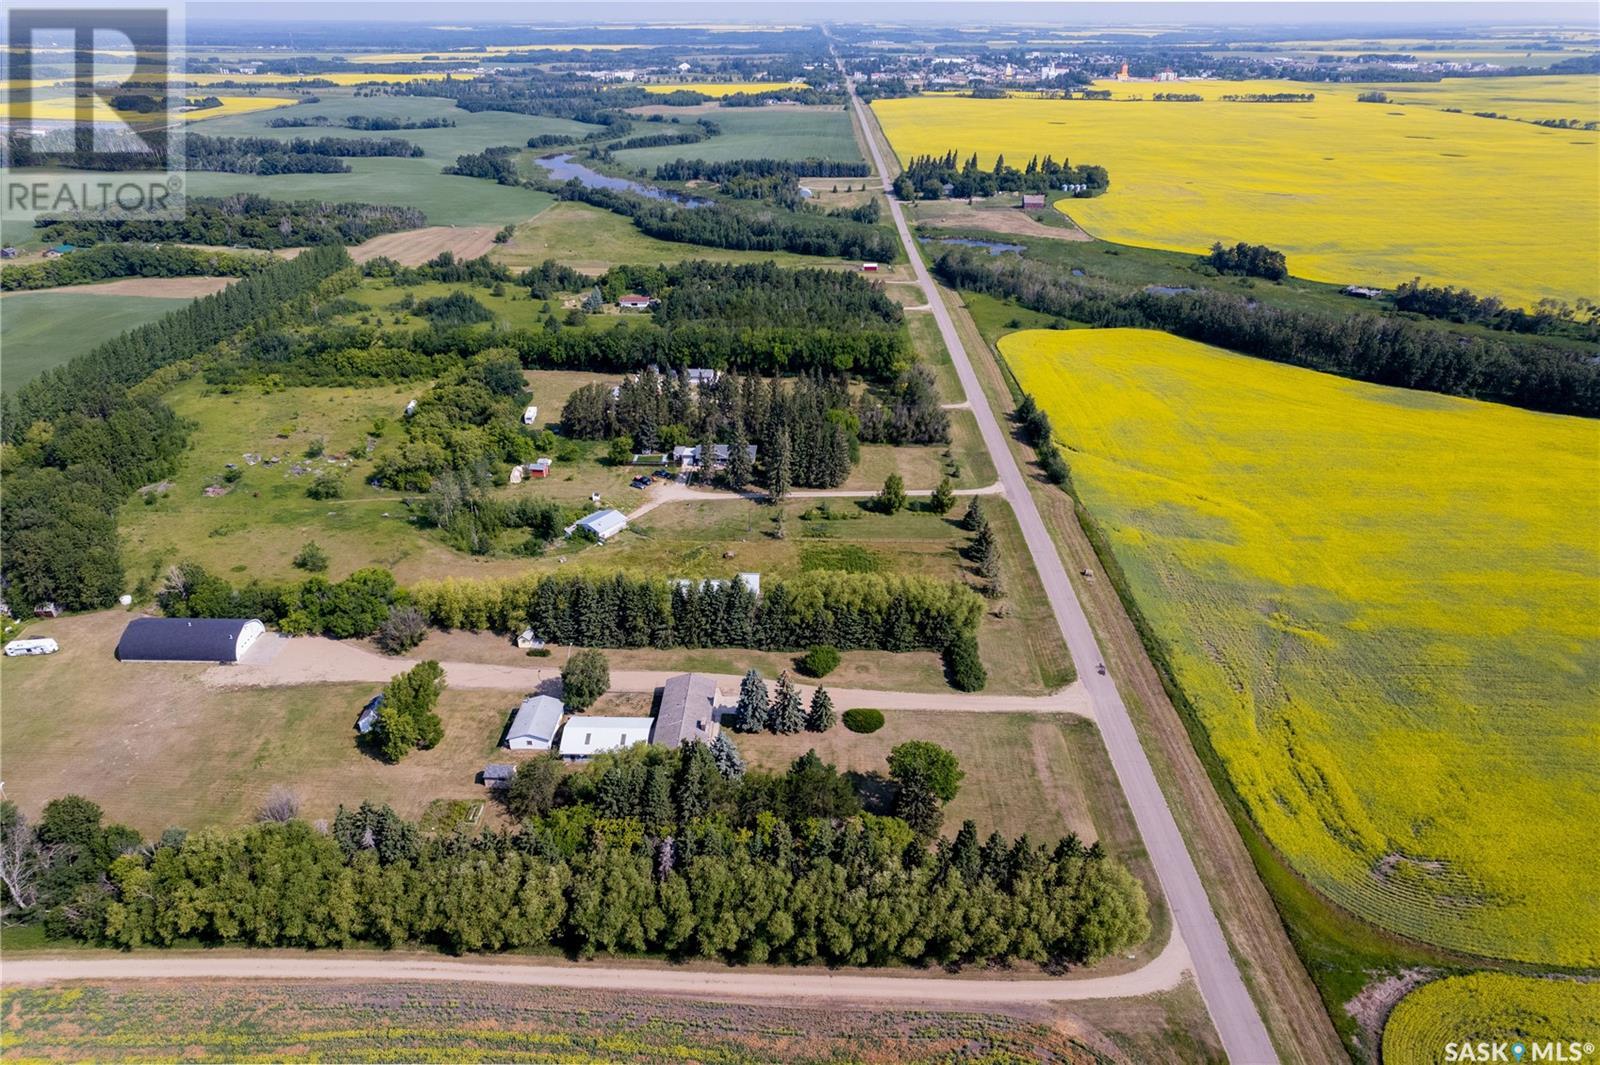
(584, 737)
(534, 726)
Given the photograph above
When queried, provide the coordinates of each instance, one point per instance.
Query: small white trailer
(43, 645)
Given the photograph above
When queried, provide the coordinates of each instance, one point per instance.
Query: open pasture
(1492, 1008)
(1379, 605)
(1351, 192)
(446, 199)
(764, 133)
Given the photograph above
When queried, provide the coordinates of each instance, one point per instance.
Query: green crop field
(472, 132)
(326, 1020)
(447, 200)
(760, 133)
(39, 330)
(1494, 1008)
(1380, 605)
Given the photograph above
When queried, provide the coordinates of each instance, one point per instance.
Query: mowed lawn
(156, 747)
(40, 330)
(1381, 605)
(773, 132)
(1353, 192)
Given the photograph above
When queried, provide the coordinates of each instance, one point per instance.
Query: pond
(995, 247)
(563, 167)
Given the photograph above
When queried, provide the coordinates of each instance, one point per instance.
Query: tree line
(371, 123)
(724, 170)
(726, 225)
(764, 868)
(926, 176)
(243, 219)
(1248, 260)
(80, 442)
(299, 155)
(848, 611)
(1461, 305)
(1400, 352)
(106, 261)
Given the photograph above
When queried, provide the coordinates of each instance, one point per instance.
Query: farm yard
(1492, 1008)
(1352, 192)
(718, 89)
(1361, 603)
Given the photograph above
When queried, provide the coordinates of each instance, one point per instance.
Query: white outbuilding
(534, 727)
(603, 523)
(584, 737)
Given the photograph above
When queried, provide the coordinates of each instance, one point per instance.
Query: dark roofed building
(187, 639)
(498, 775)
(688, 710)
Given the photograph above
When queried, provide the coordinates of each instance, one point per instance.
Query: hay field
(1352, 192)
(1493, 1008)
(1380, 604)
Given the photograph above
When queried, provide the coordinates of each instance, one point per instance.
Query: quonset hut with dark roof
(187, 639)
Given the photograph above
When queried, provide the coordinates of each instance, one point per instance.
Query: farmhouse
(699, 375)
(369, 715)
(188, 639)
(603, 523)
(1032, 201)
(584, 737)
(534, 726)
(632, 302)
(59, 250)
(497, 775)
(688, 711)
(689, 458)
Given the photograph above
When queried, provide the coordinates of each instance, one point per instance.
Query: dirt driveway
(276, 661)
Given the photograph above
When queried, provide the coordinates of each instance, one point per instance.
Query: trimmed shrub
(962, 666)
(863, 719)
(819, 661)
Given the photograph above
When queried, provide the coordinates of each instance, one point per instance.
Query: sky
(1377, 14)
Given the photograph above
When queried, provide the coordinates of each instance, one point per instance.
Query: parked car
(640, 482)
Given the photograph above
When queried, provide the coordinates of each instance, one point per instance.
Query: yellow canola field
(64, 109)
(1493, 1008)
(1380, 604)
(1351, 192)
(719, 88)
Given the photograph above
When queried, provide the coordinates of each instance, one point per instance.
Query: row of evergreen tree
(779, 869)
(926, 176)
(1524, 372)
(244, 219)
(106, 261)
(721, 170)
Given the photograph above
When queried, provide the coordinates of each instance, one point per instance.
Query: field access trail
(1238, 1022)
(975, 993)
(276, 661)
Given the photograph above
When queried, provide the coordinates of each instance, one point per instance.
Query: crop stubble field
(1352, 192)
(1489, 1007)
(362, 1021)
(1379, 603)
